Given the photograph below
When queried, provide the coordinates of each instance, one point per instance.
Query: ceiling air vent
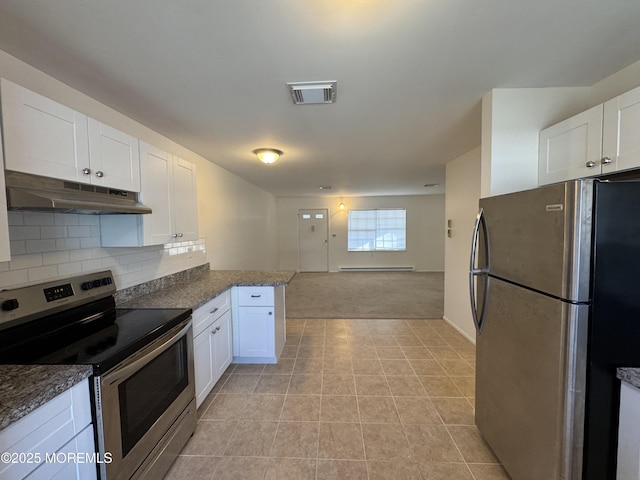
(305, 93)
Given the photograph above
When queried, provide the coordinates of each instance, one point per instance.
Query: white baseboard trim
(462, 332)
(376, 269)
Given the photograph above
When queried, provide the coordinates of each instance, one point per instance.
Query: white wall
(461, 206)
(616, 84)
(425, 231)
(237, 220)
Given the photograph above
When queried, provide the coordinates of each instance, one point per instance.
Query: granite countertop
(197, 290)
(26, 387)
(630, 375)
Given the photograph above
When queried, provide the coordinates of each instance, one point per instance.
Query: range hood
(34, 193)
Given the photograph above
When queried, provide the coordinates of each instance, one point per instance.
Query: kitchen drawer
(210, 312)
(255, 296)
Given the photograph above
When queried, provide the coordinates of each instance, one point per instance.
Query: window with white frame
(377, 230)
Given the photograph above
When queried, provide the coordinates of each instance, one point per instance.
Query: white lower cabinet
(66, 464)
(222, 345)
(212, 344)
(55, 441)
(629, 433)
(258, 324)
(256, 332)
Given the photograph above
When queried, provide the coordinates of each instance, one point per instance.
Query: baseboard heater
(376, 269)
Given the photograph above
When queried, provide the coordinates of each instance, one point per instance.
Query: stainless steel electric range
(142, 388)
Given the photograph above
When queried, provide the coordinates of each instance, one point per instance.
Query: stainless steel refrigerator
(555, 291)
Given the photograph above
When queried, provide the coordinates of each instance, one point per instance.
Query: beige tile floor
(349, 399)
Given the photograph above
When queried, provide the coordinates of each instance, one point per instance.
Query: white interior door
(313, 245)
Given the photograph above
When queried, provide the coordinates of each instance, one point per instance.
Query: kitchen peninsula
(25, 388)
(193, 288)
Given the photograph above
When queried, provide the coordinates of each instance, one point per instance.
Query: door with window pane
(313, 245)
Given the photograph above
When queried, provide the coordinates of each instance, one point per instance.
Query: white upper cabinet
(41, 136)
(185, 204)
(46, 138)
(155, 169)
(114, 158)
(168, 187)
(604, 139)
(5, 251)
(572, 148)
(621, 132)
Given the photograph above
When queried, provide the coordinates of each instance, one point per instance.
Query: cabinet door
(5, 251)
(203, 365)
(82, 445)
(629, 434)
(41, 136)
(155, 169)
(222, 349)
(185, 205)
(256, 332)
(621, 137)
(114, 157)
(572, 148)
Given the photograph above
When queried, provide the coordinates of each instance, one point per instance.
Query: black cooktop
(103, 342)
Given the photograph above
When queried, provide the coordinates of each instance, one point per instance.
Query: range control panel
(37, 301)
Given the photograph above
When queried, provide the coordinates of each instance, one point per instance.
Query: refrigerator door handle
(474, 272)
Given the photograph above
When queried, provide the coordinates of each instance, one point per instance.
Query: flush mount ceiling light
(305, 93)
(267, 155)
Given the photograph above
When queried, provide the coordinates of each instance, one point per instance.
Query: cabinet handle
(256, 296)
(99, 174)
(270, 313)
(605, 161)
(86, 171)
(590, 164)
(213, 332)
(180, 235)
(175, 235)
(214, 310)
(217, 329)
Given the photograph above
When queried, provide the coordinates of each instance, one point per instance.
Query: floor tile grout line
(348, 357)
(461, 454)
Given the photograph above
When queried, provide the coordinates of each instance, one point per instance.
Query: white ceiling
(212, 74)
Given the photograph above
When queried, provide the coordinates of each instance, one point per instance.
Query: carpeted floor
(393, 295)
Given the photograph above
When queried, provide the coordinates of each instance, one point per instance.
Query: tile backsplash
(46, 246)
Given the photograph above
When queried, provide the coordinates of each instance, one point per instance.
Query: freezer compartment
(530, 382)
(540, 238)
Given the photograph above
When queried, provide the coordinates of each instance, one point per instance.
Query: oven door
(140, 400)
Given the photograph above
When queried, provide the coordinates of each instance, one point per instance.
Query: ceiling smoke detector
(306, 93)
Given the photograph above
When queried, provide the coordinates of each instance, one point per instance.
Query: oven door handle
(128, 367)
